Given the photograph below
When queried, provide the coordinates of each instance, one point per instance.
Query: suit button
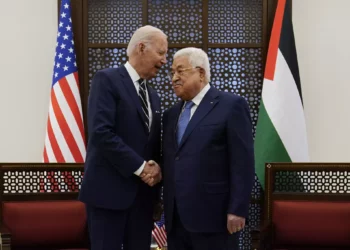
(177, 158)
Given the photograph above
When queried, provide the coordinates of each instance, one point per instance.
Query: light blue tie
(183, 121)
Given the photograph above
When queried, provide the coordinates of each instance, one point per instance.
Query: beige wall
(322, 38)
(27, 46)
(27, 41)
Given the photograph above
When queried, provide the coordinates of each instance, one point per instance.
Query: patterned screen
(182, 19)
(238, 21)
(39, 181)
(105, 58)
(257, 190)
(332, 182)
(238, 70)
(252, 222)
(111, 21)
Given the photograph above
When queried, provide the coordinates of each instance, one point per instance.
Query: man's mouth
(175, 85)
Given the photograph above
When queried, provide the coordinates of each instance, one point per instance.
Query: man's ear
(202, 73)
(141, 47)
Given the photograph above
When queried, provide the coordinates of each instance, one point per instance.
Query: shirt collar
(132, 72)
(199, 97)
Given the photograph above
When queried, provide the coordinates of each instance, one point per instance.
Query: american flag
(65, 140)
(159, 233)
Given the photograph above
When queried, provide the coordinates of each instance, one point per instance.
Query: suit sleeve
(164, 124)
(161, 162)
(241, 158)
(158, 142)
(102, 117)
(158, 159)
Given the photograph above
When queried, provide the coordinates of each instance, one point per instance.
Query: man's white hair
(143, 34)
(197, 58)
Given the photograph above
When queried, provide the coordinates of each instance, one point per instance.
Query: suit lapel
(174, 119)
(154, 106)
(207, 104)
(129, 85)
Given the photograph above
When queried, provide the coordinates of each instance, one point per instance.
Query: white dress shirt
(135, 77)
(197, 99)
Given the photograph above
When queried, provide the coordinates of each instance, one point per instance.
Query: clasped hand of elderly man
(151, 173)
(235, 223)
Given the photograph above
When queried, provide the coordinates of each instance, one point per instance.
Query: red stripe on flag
(159, 235)
(160, 241)
(72, 144)
(162, 234)
(274, 41)
(46, 159)
(76, 77)
(58, 155)
(72, 103)
(54, 145)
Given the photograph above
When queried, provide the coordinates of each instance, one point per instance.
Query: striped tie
(143, 100)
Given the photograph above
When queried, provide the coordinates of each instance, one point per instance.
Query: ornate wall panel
(111, 21)
(238, 70)
(238, 21)
(257, 190)
(252, 222)
(181, 19)
(100, 58)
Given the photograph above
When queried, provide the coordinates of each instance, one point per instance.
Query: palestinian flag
(281, 131)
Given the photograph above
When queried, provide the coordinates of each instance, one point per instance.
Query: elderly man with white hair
(208, 159)
(120, 186)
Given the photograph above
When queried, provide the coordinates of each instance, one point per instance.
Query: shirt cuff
(139, 171)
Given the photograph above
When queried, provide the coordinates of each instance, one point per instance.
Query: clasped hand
(151, 173)
(235, 223)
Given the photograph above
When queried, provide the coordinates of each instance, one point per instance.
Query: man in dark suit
(123, 148)
(208, 159)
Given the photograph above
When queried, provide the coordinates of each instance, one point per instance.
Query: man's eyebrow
(162, 51)
(179, 66)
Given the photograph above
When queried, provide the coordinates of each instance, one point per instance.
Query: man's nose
(175, 78)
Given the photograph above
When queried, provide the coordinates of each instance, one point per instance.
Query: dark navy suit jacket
(119, 140)
(211, 172)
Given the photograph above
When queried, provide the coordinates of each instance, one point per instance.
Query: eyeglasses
(180, 72)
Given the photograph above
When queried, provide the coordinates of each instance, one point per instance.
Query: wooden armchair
(39, 207)
(307, 206)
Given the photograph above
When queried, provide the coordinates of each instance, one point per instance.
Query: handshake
(151, 173)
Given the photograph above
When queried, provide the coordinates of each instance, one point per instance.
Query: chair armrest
(5, 238)
(262, 237)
